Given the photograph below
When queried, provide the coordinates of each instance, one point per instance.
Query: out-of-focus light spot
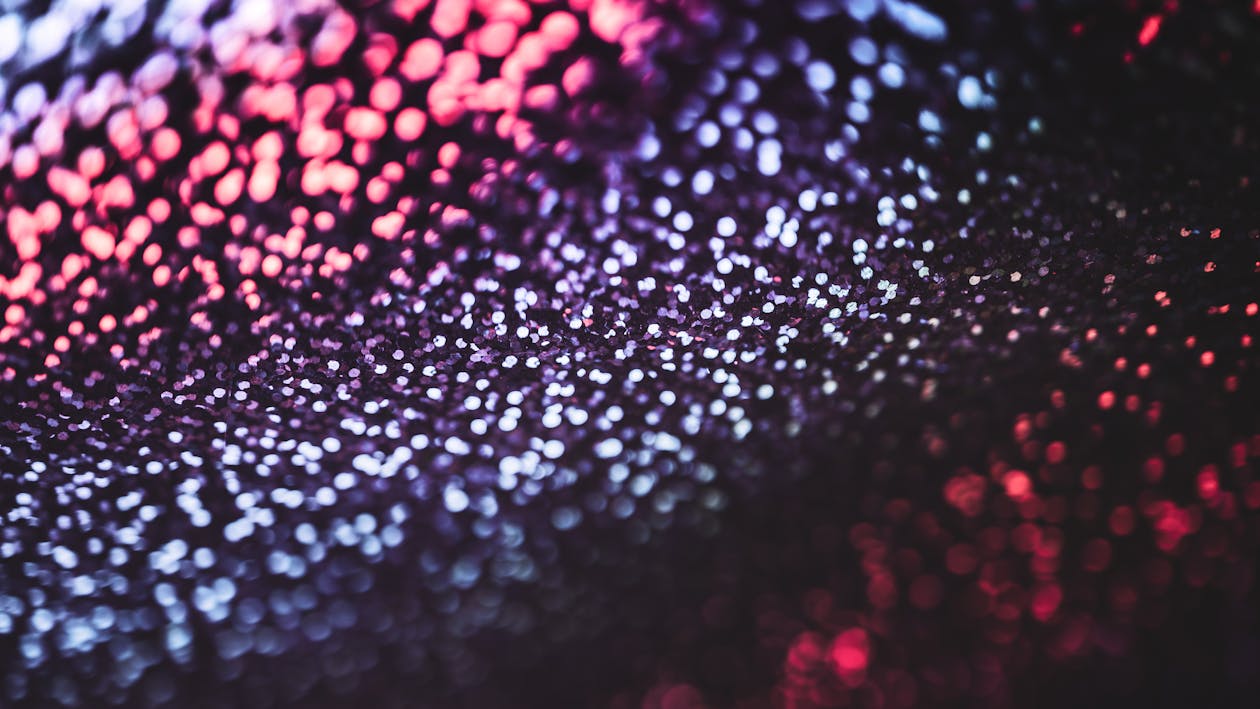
(850, 654)
(916, 20)
(1150, 29)
(1017, 484)
(820, 75)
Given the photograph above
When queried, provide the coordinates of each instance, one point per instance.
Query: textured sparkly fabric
(616, 353)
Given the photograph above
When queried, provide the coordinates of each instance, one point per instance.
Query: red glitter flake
(1106, 400)
(1122, 521)
(850, 655)
(1056, 452)
(1209, 483)
(1150, 28)
(1045, 601)
(966, 493)
(1175, 445)
(1018, 485)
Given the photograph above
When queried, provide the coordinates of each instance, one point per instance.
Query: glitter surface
(629, 353)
